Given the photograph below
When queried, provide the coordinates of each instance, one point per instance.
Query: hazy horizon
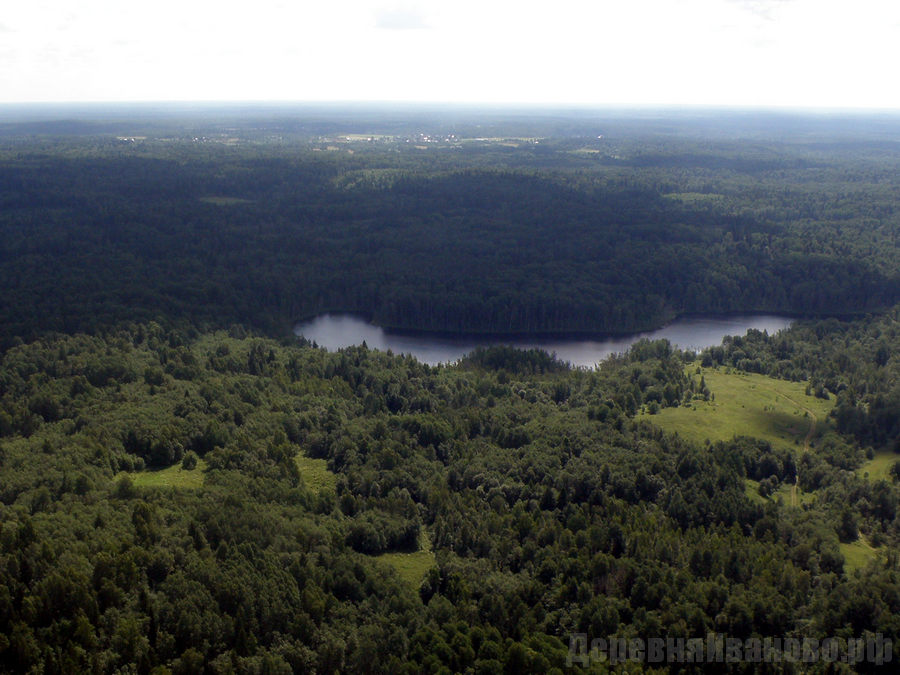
(758, 54)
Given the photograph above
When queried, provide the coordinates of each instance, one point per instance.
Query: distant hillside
(426, 232)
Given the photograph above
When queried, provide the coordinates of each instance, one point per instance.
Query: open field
(412, 567)
(857, 554)
(879, 467)
(315, 473)
(748, 405)
(784, 493)
(751, 491)
(173, 476)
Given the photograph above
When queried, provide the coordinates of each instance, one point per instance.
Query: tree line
(474, 240)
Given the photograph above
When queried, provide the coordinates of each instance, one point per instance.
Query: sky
(783, 53)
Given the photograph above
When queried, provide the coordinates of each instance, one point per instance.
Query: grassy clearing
(315, 473)
(879, 467)
(412, 567)
(748, 405)
(751, 491)
(783, 493)
(224, 201)
(170, 477)
(858, 554)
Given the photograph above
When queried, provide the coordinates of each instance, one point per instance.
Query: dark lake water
(334, 331)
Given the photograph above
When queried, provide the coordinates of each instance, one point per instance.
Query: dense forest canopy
(185, 487)
(550, 509)
(434, 224)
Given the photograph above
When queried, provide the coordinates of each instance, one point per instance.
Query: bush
(189, 463)
(125, 488)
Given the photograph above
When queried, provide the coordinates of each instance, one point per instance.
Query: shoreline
(453, 336)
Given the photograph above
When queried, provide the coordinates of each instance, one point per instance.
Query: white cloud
(400, 19)
(764, 8)
(787, 52)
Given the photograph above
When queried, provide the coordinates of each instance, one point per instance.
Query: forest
(187, 487)
(550, 508)
(437, 232)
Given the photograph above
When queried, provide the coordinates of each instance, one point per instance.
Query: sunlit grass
(751, 491)
(747, 405)
(412, 567)
(857, 554)
(170, 477)
(879, 467)
(783, 493)
(315, 473)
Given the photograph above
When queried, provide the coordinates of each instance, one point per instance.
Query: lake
(334, 331)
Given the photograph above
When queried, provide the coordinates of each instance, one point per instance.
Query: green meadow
(315, 473)
(784, 494)
(412, 567)
(746, 404)
(171, 477)
(857, 554)
(879, 467)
